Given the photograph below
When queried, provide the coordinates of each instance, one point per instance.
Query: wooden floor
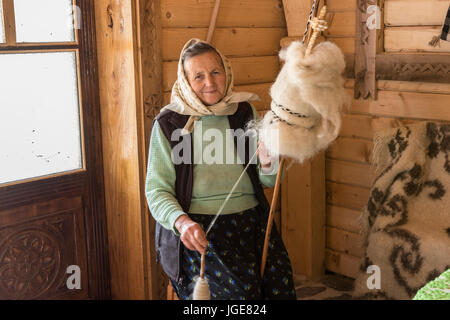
(329, 287)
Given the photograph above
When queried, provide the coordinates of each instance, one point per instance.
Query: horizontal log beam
(232, 42)
(233, 13)
(413, 67)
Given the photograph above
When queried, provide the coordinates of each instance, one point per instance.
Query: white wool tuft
(312, 86)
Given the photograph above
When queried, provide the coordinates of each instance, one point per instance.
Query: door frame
(87, 182)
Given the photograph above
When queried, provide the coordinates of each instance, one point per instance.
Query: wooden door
(53, 242)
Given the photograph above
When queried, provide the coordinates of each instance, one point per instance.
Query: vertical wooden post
(151, 73)
(120, 82)
(366, 49)
(152, 76)
(303, 210)
(212, 24)
(9, 21)
(303, 196)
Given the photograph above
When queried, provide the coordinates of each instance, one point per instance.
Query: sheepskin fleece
(406, 221)
(311, 86)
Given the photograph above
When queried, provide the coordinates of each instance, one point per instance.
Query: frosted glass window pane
(2, 26)
(44, 20)
(39, 115)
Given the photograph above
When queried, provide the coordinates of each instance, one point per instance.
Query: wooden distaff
(212, 24)
(271, 214)
(318, 25)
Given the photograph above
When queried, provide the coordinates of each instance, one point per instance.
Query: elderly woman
(185, 190)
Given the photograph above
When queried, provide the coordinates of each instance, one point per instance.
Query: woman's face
(207, 77)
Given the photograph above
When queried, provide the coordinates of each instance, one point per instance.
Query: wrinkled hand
(264, 156)
(192, 235)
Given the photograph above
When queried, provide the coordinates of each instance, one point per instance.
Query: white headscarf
(185, 101)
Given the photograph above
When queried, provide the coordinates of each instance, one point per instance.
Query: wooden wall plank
(415, 12)
(262, 90)
(247, 70)
(354, 173)
(356, 126)
(413, 39)
(346, 44)
(350, 149)
(169, 75)
(346, 196)
(365, 126)
(232, 42)
(344, 241)
(341, 5)
(409, 86)
(406, 105)
(342, 263)
(253, 70)
(296, 13)
(233, 13)
(342, 24)
(343, 218)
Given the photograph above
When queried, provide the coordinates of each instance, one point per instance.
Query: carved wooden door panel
(53, 242)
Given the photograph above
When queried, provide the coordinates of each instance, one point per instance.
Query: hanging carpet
(406, 221)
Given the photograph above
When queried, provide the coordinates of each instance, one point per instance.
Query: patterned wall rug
(406, 221)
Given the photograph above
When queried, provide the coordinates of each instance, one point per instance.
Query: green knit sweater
(214, 174)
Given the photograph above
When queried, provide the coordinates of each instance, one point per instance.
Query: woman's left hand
(264, 157)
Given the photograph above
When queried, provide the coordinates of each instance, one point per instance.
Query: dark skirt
(233, 260)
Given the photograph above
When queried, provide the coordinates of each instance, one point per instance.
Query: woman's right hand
(192, 235)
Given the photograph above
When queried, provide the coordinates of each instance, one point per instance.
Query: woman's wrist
(181, 221)
(266, 165)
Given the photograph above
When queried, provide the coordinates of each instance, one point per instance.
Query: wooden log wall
(411, 24)
(349, 174)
